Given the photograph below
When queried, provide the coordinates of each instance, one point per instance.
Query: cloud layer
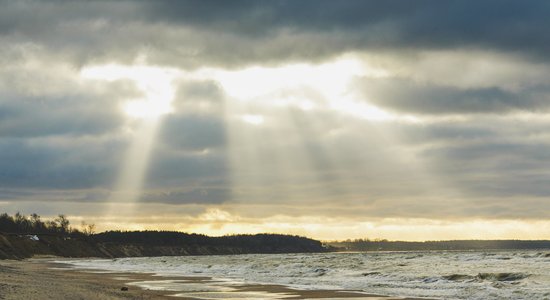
(442, 113)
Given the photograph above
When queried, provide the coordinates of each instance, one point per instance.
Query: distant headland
(23, 237)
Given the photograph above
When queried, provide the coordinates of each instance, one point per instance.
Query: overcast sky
(333, 119)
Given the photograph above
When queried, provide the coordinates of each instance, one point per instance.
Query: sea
(429, 274)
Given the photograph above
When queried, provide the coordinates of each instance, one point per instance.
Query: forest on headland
(26, 236)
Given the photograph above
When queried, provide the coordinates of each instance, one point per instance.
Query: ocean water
(433, 274)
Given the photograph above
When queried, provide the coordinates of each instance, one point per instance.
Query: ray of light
(154, 83)
(281, 148)
(144, 115)
(280, 156)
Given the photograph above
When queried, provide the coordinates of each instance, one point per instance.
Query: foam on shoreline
(205, 288)
(456, 275)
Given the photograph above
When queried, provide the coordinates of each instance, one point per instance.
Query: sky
(403, 120)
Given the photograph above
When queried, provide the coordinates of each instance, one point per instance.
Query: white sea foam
(449, 275)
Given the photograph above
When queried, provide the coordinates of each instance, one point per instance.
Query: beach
(43, 279)
(40, 279)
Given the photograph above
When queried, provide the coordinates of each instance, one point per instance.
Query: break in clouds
(442, 114)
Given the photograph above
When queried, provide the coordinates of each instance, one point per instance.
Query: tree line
(22, 224)
(60, 226)
(261, 242)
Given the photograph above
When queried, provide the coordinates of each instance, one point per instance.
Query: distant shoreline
(458, 245)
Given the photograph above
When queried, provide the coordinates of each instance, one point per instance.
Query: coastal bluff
(149, 243)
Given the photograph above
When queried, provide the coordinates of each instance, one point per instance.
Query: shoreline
(41, 278)
(44, 279)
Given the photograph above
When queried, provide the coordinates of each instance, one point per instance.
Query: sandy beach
(38, 279)
(43, 279)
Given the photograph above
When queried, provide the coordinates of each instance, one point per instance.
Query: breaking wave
(430, 274)
(502, 276)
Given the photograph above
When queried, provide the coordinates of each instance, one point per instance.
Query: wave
(441, 275)
(458, 277)
(487, 277)
(502, 276)
(371, 274)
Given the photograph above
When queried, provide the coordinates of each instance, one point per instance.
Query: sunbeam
(293, 139)
(144, 115)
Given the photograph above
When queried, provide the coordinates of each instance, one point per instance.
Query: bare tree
(63, 223)
(88, 229)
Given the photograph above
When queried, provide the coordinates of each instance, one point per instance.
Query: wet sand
(42, 279)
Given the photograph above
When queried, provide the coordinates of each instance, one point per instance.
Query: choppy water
(448, 275)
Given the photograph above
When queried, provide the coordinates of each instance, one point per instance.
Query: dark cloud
(173, 167)
(47, 99)
(197, 33)
(189, 91)
(491, 164)
(409, 96)
(199, 195)
(65, 115)
(193, 133)
(429, 22)
(66, 165)
(311, 30)
(196, 97)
